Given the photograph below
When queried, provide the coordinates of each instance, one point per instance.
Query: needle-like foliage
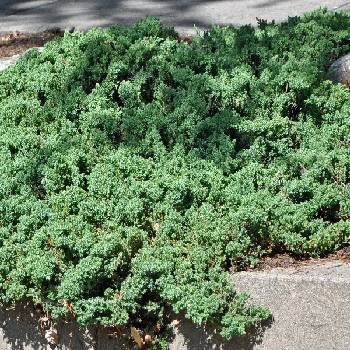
(136, 169)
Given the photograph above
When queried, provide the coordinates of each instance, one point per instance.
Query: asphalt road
(185, 15)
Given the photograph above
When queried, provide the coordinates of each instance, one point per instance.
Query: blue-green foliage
(136, 169)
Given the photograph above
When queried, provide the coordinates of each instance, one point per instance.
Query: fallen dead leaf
(136, 336)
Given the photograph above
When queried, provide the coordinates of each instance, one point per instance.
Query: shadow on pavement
(39, 15)
(189, 337)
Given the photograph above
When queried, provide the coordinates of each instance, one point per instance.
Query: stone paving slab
(38, 15)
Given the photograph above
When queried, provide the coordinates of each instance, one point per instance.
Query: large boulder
(339, 71)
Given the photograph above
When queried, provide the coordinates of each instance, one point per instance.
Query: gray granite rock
(339, 71)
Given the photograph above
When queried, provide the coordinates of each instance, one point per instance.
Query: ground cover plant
(137, 169)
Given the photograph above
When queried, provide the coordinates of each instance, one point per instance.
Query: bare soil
(289, 261)
(15, 43)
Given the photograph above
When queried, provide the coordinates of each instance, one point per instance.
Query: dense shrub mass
(137, 169)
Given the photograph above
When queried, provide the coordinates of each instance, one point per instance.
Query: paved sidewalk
(37, 15)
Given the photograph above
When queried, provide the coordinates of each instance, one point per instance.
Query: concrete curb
(8, 61)
(311, 307)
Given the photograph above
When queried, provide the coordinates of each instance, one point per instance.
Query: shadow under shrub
(136, 169)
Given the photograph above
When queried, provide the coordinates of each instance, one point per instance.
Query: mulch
(289, 261)
(15, 43)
